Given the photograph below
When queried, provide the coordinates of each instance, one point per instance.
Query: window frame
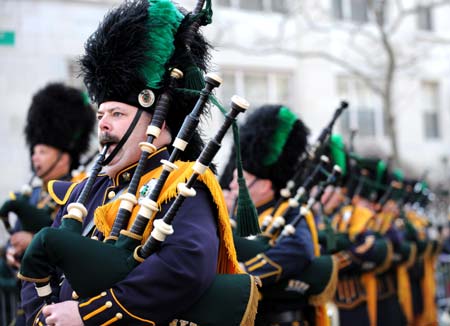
(361, 99)
(431, 108)
(272, 90)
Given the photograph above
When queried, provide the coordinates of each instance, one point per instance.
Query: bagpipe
(31, 217)
(66, 249)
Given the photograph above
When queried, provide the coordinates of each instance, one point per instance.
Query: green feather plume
(338, 152)
(166, 19)
(285, 122)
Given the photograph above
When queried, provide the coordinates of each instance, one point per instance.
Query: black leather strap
(124, 138)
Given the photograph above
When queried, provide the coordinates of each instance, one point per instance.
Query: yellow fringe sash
(227, 262)
(428, 284)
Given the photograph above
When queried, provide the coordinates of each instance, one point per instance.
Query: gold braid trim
(412, 256)
(54, 196)
(387, 260)
(309, 217)
(37, 320)
(330, 289)
(252, 306)
(146, 321)
(33, 280)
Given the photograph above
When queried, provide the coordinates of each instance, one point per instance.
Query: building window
(224, 3)
(430, 105)
(256, 5)
(256, 87)
(365, 111)
(281, 6)
(354, 10)
(424, 18)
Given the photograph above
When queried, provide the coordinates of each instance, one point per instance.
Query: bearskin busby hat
(272, 139)
(134, 48)
(369, 178)
(60, 116)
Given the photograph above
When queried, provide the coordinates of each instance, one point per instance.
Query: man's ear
(265, 185)
(66, 160)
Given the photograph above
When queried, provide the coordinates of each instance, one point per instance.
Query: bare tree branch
(351, 69)
(403, 13)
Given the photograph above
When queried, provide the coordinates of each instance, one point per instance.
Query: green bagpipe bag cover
(89, 265)
(231, 300)
(319, 281)
(232, 297)
(249, 248)
(31, 218)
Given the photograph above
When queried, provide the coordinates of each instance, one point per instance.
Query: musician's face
(49, 162)
(114, 118)
(260, 190)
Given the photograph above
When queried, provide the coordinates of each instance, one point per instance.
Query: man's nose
(104, 124)
(234, 184)
(34, 158)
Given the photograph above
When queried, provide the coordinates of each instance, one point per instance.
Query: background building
(309, 54)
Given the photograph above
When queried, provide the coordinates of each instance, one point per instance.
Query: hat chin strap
(51, 167)
(124, 138)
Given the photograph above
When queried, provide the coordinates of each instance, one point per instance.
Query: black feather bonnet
(60, 116)
(272, 139)
(134, 48)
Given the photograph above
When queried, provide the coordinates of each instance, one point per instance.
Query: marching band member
(126, 67)
(272, 139)
(58, 127)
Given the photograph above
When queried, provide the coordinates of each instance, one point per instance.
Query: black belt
(286, 316)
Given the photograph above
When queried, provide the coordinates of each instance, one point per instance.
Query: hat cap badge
(146, 98)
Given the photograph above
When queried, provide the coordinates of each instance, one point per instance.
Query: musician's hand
(20, 241)
(11, 258)
(63, 314)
